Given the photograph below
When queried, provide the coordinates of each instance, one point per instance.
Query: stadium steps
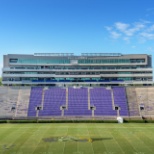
(23, 102)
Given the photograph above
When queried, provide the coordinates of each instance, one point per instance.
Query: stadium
(72, 104)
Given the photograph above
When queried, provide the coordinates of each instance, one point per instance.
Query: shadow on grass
(74, 139)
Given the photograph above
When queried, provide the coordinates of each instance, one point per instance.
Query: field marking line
(89, 136)
(39, 139)
(143, 143)
(117, 142)
(55, 134)
(14, 139)
(128, 141)
(100, 136)
(106, 147)
(64, 142)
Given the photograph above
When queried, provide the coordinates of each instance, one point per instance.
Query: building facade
(70, 69)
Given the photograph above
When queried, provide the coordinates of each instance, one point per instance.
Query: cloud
(108, 28)
(150, 49)
(142, 30)
(125, 28)
(127, 39)
(151, 28)
(121, 26)
(133, 46)
(149, 36)
(150, 12)
(115, 35)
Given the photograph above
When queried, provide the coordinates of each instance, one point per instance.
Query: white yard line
(117, 143)
(142, 143)
(64, 142)
(39, 139)
(89, 136)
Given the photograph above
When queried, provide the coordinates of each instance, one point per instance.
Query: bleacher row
(52, 100)
(91, 101)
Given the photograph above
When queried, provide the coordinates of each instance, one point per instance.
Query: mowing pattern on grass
(73, 139)
(76, 138)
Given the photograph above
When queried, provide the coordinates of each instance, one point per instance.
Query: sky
(76, 26)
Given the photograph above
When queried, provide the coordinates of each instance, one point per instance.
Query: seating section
(35, 100)
(120, 100)
(150, 107)
(23, 102)
(78, 102)
(132, 101)
(8, 99)
(101, 99)
(53, 99)
(145, 97)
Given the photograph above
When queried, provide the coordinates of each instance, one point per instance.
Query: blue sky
(76, 26)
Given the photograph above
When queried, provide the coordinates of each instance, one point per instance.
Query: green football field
(77, 138)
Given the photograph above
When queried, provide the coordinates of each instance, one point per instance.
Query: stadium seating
(77, 102)
(120, 100)
(146, 98)
(53, 99)
(150, 107)
(132, 101)
(23, 102)
(101, 99)
(35, 100)
(8, 99)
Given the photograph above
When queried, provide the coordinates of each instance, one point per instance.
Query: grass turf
(77, 138)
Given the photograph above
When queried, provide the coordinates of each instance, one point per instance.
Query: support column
(42, 102)
(88, 98)
(112, 97)
(67, 98)
(18, 102)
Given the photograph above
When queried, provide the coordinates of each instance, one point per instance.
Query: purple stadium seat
(77, 102)
(53, 99)
(120, 100)
(35, 100)
(101, 98)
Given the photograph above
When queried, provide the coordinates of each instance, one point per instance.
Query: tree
(0, 81)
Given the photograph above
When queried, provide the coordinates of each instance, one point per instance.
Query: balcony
(77, 70)
(88, 82)
(76, 75)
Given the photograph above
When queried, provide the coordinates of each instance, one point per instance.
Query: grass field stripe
(37, 143)
(134, 136)
(143, 144)
(150, 144)
(11, 133)
(57, 131)
(135, 150)
(89, 136)
(54, 134)
(64, 142)
(39, 139)
(23, 138)
(117, 143)
(92, 127)
(150, 136)
(107, 148)
(28, 141)
(124, 136)
(100, 136)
